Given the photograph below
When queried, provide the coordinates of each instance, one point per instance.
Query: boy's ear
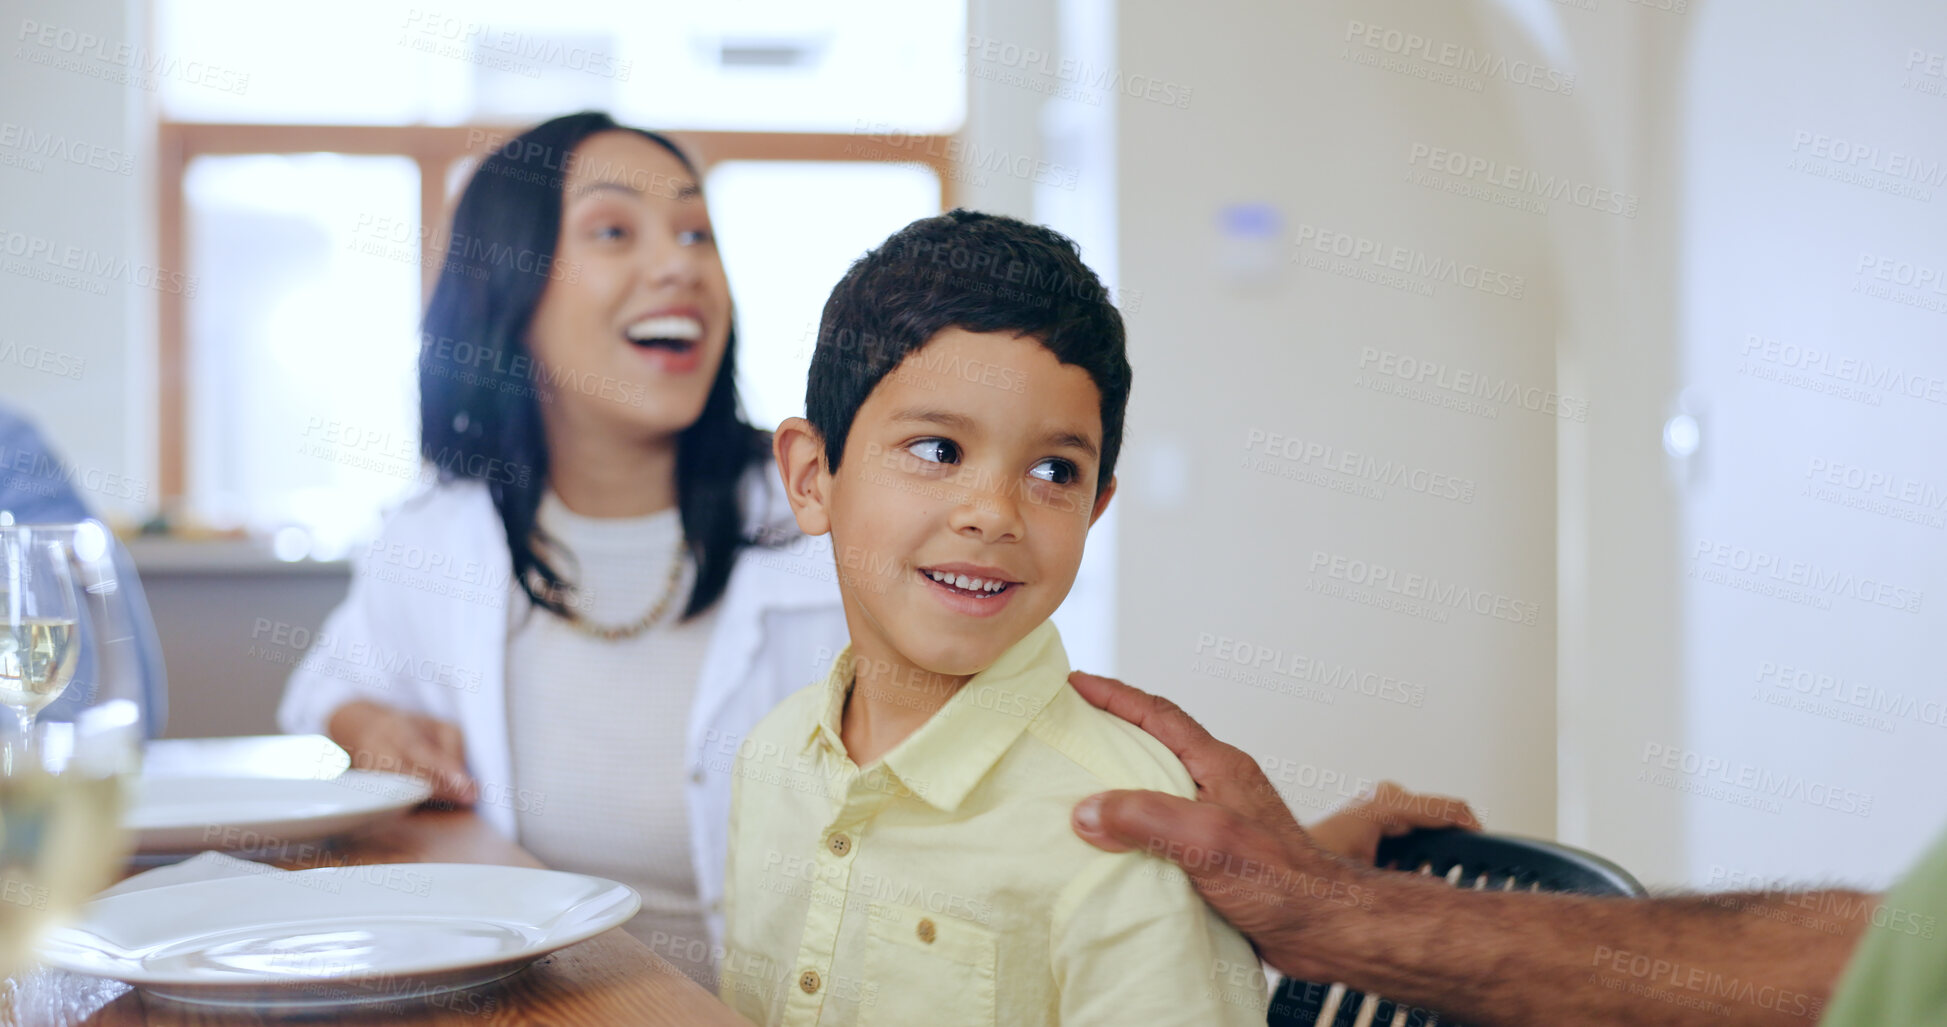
(1102, 502)
(800, 454)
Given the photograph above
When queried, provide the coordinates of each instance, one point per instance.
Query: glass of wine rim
(40, 618)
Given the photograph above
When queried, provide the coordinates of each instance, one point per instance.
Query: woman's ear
(800, 454)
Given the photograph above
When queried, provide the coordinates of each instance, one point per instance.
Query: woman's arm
(352, 685)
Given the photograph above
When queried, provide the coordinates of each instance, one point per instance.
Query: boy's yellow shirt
(944, 886)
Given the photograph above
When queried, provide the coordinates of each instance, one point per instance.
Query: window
(308, 214)
(832, 212)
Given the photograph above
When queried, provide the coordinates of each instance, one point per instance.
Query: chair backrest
(1466, 859)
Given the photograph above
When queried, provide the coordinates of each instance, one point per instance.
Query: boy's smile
(977, 590)
(960, 506)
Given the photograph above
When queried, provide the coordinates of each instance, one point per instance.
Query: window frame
(434, 148)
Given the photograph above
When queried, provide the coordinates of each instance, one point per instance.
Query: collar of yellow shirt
(956, 747)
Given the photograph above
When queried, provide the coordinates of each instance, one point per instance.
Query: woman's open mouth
(672, 341)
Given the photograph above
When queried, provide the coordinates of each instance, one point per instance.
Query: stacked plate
(336, 935)
(246, 814)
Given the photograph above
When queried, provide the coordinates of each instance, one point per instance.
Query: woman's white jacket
(425, 628)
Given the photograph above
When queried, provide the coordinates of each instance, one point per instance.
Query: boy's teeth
(667, 327)
(964, 582)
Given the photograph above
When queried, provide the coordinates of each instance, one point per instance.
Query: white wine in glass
(62, 791)
(62, 842)
(37, 660)
(39, 619)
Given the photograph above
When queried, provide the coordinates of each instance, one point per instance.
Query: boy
(900, 848)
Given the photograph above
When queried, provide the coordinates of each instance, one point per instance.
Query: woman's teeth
(963, 582)
(666, 328)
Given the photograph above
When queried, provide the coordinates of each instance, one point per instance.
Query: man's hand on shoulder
(1239, 843)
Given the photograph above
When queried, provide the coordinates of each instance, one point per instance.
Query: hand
(1239, 844)
(1355, 832)
(381, 737)
(1224, 774)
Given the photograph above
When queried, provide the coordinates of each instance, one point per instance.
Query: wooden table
(607, 980)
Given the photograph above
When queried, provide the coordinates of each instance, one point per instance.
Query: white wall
(1694, 116)
(1828, 717)
(88, 229)
(1224, 541)
(1619, 680)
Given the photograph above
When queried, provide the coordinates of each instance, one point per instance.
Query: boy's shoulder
(1116, 753)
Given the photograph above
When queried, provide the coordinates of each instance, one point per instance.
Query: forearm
(1496, 958)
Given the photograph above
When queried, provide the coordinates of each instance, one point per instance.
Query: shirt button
(926, 931)
(696, 776)
(840, 845)
(808, 982)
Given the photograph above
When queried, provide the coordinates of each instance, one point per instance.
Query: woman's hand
(381, 737)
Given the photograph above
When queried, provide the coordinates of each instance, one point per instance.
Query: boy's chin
(954, 660)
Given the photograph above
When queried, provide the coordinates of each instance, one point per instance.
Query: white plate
(336, 935)
(192, 814)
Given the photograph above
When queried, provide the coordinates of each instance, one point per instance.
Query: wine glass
(39, 620)
(62, 791)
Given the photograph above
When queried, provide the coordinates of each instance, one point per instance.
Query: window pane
(755, 65)
(788, 231)
(302, 341)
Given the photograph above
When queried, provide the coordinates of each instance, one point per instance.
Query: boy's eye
(1056, 471)
(695, 237)
(935, 451)
(609, 232)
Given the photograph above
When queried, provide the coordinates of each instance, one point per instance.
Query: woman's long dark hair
(480, 388)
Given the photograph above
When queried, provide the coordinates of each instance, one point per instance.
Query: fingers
(450, 746)
(1398, 811)
(1161, 718)
(435, 752)
(1098, 690)
(1124, 820)
(1224, 774)
(1239, 867)
(384, 738)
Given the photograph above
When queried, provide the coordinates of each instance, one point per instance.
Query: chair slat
(1328, 1011)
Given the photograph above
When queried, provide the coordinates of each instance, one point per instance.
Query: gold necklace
(616, 633)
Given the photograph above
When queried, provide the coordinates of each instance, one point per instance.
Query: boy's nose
(993, 514)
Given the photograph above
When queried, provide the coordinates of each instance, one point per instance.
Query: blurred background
(1538, 401)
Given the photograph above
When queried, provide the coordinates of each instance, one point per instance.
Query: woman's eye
(1056, 471)
(696, 237)
(609, 232)
(935, 451)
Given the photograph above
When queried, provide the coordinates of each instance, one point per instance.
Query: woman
(604, 590)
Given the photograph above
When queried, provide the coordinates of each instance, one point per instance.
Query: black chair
(1467, 859)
